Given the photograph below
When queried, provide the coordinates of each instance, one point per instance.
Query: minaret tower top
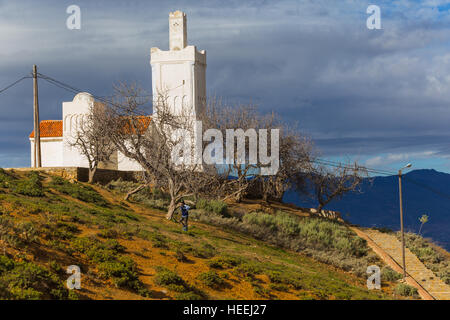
(177, 30)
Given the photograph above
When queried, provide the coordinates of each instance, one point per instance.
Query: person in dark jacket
(184, 215)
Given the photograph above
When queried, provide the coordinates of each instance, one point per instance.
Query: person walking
(184, 215)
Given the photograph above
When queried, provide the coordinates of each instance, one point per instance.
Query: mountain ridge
(425, 191)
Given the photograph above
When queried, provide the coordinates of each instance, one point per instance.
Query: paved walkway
(389, 248)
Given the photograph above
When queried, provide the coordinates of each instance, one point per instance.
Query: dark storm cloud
(356, 91)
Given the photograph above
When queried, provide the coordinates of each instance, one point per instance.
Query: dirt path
(388, 247)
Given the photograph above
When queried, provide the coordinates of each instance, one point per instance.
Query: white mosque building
(179, 72)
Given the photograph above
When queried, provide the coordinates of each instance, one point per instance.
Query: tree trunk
(172, 208)
(265, 196)
(319, 208)
(92, 174)
(136, 190)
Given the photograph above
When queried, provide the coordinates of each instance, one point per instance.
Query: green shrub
(211, 279)
(112, 265)
(426, 253)
(31, 186)
(205, 251)
(159, 241)
(406, 290)
(247, 270)
(387, 274)
(122, 271)
(328, 241)
(215, 206)
(278, 278)
(17, 234)
(167, 278)
(263, 292)
(6, 178)
(59, 230)
(25, 294)
(26, 280)
(78, 191)
(279, 287)
(55, 266)
(108, 233)
(224, 262)
(188, 296)
(179, 255)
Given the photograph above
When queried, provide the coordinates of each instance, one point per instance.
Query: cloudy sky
(381, 97)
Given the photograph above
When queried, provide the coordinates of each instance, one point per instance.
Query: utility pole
(37, 131)
(401, 217)
(401, 222)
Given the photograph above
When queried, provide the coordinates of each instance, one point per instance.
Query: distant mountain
(424, 192)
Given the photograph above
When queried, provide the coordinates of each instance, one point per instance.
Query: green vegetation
(111, 263)
(406, 290)
(188, 296)
(150, 197)
(215, 206)
(26, 280)
(434, 260)
(224, 262)
(172, 281)
(78, 191)
(17, 233)
(327, 241)
(167, 278)
(29, 186)
(211, 279)
(387, 274)
(51, 230)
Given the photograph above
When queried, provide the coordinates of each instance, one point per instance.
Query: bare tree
(245, 121)
(161, 145)
(334, 181)
(295, 164)
(92, 139)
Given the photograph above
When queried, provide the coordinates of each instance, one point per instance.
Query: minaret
(179, 74)
(177, 30)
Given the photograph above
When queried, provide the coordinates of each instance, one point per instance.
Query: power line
(72, 89)
(341, 165)
(67, 87)
(424, 186)
(101, 98)
(14, 83)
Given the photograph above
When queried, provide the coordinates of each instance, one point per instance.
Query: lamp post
(401, 216)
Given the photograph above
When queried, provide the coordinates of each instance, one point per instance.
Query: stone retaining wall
(102, 176)
(333, 215)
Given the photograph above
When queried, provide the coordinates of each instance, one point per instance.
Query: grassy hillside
(127, 250)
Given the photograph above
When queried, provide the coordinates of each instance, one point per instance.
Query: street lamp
(409, 165)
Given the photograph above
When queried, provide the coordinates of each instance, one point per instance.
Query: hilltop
(128, 250)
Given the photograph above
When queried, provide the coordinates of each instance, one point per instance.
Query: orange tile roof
(142, 124)
(50, 128)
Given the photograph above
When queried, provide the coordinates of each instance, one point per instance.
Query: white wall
(74, 113)
(51, 152)
(127, 164)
